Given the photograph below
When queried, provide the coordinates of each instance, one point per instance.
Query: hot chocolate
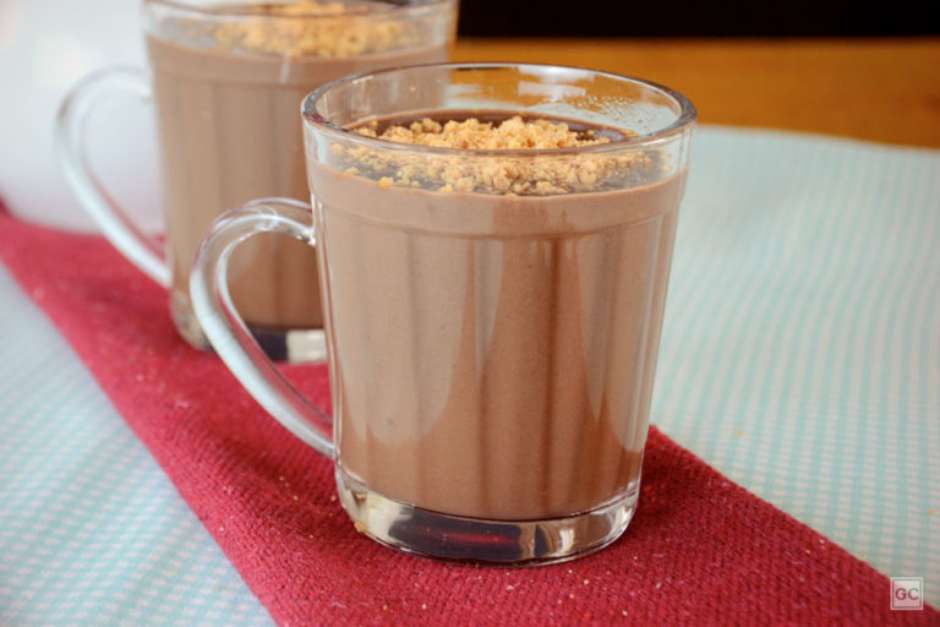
(227, 93)
(509, 374)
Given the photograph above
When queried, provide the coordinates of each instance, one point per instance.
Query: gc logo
(907, 593)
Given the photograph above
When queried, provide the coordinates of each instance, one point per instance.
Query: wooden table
(881, 90)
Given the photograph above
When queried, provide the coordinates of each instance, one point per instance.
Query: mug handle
(226, 330)
(144, 252)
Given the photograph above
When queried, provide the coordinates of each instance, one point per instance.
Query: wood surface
(882, 90)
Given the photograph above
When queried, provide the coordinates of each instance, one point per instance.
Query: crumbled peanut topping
(531, 175)
(472, 134)
(312, 28)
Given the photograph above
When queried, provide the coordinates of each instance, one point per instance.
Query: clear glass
(226, 81)
(491, 354)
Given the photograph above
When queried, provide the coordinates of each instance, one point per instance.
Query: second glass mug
(491, 354)
(226, 82)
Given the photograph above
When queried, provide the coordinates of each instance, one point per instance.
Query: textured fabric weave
(801, 347)
(700, 548)
(91, 530)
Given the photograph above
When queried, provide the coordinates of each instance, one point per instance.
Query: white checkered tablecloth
(800, 357)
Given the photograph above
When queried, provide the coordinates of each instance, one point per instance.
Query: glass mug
(226, 81)
(491, 354)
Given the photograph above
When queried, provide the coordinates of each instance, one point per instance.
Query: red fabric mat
(700, 549)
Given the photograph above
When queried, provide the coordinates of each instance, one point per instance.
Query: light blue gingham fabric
(801, 357)
(801, 351)
(91, 530)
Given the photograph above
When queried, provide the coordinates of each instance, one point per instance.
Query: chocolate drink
(229, 133)
(509, 373)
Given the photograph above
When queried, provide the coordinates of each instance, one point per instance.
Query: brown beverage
(227, 95)
(510, 372)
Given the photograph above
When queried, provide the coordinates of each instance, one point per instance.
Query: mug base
(510, 543)
(283, 345)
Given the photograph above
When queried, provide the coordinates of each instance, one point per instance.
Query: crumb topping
(298, 31)
(471, 134)
(510, 175)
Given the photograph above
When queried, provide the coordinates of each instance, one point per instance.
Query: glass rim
(684, 120)
(250, 10)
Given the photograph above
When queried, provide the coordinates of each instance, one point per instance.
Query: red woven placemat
(700, 549)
